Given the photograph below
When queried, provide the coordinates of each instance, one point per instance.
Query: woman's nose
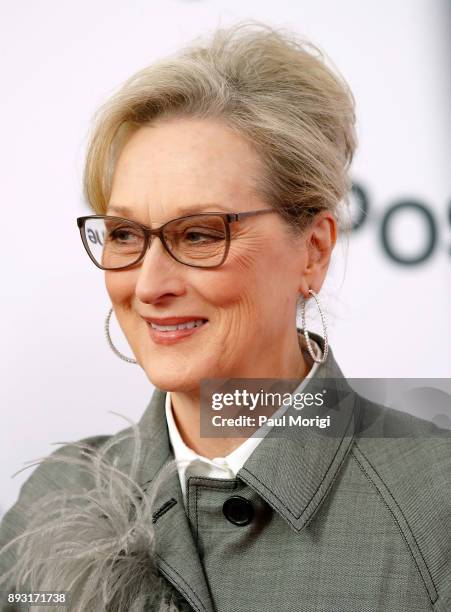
(159, 274)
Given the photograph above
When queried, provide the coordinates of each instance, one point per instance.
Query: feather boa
(96, 544)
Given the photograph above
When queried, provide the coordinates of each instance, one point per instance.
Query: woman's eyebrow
(128, 211)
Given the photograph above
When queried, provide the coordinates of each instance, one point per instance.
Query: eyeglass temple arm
(238, 216)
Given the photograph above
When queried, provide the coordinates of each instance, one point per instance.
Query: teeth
(187, 325)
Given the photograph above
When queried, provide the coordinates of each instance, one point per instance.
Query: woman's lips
(173, 336)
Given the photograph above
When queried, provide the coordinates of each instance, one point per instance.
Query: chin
(171, 370)
(171, 380)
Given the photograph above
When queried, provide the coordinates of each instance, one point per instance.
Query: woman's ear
(319, 240)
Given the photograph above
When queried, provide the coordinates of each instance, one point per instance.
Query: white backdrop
(61, 59)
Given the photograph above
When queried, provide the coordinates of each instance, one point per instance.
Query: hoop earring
(110, 342)
(304, 328)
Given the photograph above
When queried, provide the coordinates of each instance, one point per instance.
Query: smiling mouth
(180, 326)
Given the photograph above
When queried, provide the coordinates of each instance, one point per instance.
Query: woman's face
(249, 302)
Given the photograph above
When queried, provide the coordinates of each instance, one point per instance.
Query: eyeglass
(199, 240)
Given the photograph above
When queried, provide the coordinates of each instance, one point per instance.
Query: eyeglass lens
(200, 240)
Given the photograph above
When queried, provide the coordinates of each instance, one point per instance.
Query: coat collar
(293, 477)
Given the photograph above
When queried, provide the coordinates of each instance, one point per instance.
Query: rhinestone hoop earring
(307, 338)
(110, 342)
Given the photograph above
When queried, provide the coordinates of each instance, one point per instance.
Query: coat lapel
(175, 550)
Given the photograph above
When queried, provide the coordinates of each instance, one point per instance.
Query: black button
(238, 510)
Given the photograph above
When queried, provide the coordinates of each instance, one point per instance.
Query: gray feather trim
(97, 544)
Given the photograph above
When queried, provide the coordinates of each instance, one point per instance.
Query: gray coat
(356, 521)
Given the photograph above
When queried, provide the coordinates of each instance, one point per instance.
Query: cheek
(255, 267)
(238, 285)
(119, 285)
(261, 280)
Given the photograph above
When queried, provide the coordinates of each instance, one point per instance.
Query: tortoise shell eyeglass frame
(227, 219)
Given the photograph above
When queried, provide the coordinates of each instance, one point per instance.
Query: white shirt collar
(190, 463)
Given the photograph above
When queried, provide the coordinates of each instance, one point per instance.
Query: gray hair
(271, 88)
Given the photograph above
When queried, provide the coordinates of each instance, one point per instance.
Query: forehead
(181, 165)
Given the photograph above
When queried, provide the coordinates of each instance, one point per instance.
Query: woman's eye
(193, 236)
(196, 237)
(122, 235)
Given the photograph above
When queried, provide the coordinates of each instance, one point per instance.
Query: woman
(215, 179)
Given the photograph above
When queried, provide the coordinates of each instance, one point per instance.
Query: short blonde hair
(273, 89)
